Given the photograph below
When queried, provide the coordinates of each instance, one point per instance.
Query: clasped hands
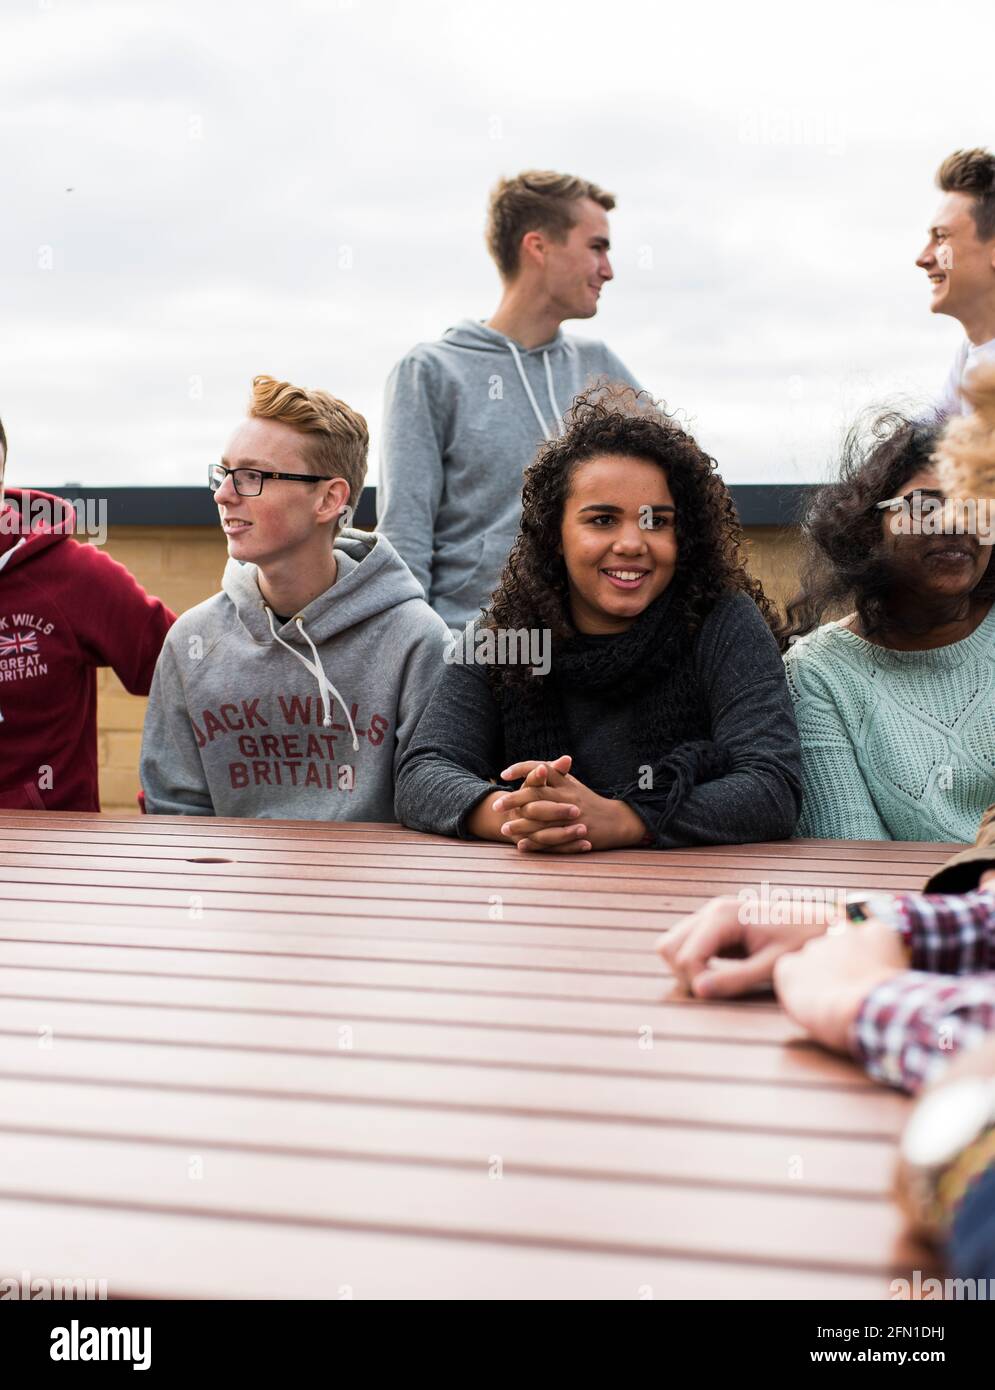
(555, 811)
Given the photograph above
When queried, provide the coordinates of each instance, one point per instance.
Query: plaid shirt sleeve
(912, 1026)
(949, 933)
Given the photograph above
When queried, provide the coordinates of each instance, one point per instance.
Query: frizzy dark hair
(616, 419)
(844, 564)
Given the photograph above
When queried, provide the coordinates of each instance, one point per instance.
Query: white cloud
(301, 189)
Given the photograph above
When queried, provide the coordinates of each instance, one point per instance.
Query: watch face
(856, 908)
(947, 1121)
(859, 907)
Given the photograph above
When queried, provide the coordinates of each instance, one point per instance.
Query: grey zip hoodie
(301, 721)
(463, 419)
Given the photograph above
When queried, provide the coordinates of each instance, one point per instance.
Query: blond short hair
(339, 439)
(536, 201)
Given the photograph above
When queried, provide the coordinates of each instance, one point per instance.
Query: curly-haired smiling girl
(664, 718)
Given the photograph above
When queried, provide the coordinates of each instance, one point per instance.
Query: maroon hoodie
(65, 609)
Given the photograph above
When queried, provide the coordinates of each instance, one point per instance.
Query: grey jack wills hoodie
(463, 419)
(302, 721)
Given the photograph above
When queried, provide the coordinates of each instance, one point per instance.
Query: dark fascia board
(170, 506)
(758, 504)
(772, 504)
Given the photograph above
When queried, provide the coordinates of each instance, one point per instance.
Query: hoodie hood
(371, 579)
(31, 522)
(475, 335)
(478, 337)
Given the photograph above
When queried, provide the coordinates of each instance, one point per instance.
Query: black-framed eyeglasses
(249, 481)
(920, 494)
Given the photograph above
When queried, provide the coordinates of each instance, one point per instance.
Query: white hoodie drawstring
(557, 413)
(8, 553)
(546, 433)
(315, 667)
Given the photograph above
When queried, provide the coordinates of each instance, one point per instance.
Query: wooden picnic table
(286, 1059)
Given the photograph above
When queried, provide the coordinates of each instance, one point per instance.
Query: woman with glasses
(894, 699)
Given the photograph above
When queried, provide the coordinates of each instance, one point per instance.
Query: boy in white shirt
(959, 259)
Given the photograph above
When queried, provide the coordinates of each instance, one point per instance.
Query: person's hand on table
(721, 951)
(555, 811)
(823, 985)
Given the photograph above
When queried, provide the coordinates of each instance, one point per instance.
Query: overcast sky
(300, 189)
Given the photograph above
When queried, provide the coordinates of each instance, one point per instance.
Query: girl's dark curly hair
(616, 419)
(845, 565)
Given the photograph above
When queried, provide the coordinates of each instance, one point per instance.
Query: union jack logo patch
(19, 644)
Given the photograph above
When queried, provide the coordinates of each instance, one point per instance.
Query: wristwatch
(949, 1140)
(858, 907)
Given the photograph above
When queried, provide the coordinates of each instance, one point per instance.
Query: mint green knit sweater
(895, 745)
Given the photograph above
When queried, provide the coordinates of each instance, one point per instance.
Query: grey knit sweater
(455, 753)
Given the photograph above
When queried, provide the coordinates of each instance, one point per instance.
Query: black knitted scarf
(649, 668)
